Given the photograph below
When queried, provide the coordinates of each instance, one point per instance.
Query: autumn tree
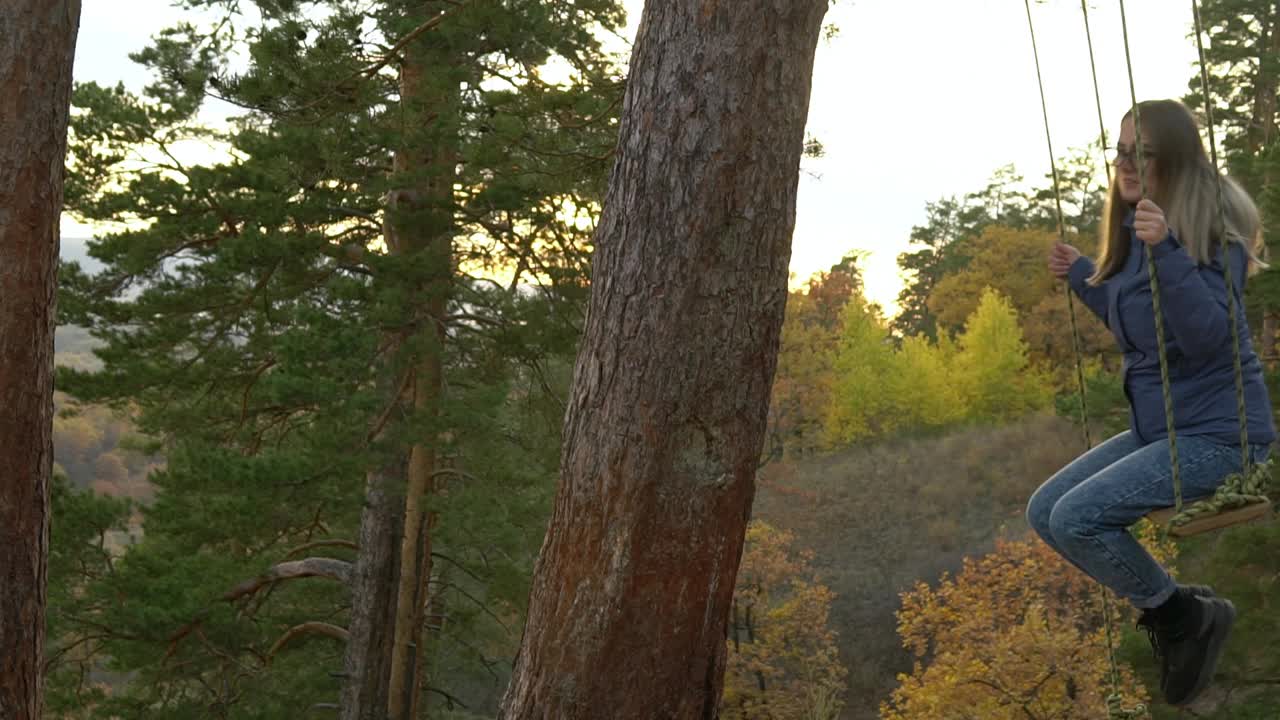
(1008, 260)
(1046, 326)
(944, 246)
(941, 250)
(1016, 634)
(35, 79)
(993, 369)
(923, 383)
(952, 237)
(802, 380)
(810, 334)
(783, 662)
(860, 404)
(984, 376)
(667, 414)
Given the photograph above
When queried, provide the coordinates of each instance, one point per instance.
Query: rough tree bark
(37, 46)
(366, 664)
(632, 590)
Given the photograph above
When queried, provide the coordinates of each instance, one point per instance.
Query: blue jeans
(1084, 511)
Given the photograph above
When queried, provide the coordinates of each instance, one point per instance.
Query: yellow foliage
(994, 373)
(927, 394)
(878, 390)
(1009, 260)
(861, 404)
(782, 658)
(1016, 634)
(804, 376)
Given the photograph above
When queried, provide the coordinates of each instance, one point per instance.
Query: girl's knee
(1066, 522)
(1039, 510)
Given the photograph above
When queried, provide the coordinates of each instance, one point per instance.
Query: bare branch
(313, 628)
(339, 570)
(413, 35)
(458, 565)
(478, 603)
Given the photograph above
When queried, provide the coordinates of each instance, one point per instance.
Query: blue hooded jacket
(1193, 301)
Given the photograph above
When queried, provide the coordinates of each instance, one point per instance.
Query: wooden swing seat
(1209, 523)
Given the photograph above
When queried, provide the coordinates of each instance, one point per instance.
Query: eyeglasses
(1131, 155)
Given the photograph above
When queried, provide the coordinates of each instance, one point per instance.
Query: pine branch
(394, 52)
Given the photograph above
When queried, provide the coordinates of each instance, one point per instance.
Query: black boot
(1187, 634)
(1197, 590)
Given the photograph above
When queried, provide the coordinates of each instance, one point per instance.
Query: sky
(913, 101)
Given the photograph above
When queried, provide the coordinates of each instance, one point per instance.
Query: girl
(1084, 511)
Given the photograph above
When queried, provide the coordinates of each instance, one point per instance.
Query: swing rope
(1239, 489)
(1249, 486)
(1115, 699)
(1151, 274)
(1116, 709)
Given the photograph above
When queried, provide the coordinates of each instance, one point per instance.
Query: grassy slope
(881, 518)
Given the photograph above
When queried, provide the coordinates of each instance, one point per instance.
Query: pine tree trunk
(37, 47)
(1261, 134)
(373, 592)
(384, 665)
(425, 230)
(633, 588)
(1263, 121)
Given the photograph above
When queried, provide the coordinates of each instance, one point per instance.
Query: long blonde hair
(1186, 188)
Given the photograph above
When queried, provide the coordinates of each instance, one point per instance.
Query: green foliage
(1244, 91)
(1105, 402)
(258, 315)
(88, 532)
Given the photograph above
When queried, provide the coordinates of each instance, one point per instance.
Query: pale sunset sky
(913, 100)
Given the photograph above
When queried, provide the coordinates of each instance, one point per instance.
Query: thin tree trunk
(1261, 133)
(635, 581)
(37, 48)
(1263, 121)
(1269, 327)
(418, 222)
(424, 228)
